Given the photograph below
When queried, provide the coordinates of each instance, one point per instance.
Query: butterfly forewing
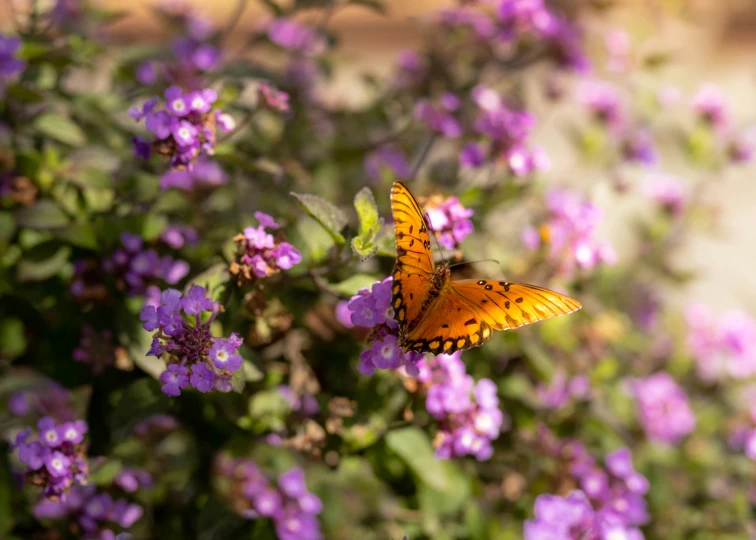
(510, 305)
(414, 258)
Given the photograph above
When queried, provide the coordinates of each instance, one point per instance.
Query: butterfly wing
(504, 305)
(414, 258)
(449, 325)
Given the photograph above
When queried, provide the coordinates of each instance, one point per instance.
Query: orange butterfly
(438, 315)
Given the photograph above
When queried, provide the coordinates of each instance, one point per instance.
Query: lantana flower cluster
(50, 399)
(204, 174)
(610, 500)
(259, 254)
(195, 357)
(468, 413)
(135, 267)
(449, 220)
(371, 308)
(501, 134)
(568, 235)
(723, 347)
(93, 514)
(563, 389)
(57, 459)
(287, 502)
(183, 128)
(663, 408)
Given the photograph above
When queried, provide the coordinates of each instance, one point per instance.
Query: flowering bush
(197, 323)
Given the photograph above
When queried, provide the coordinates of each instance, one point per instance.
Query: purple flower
(201, 102)
(292, 483)
(286, 256)
(292, 35)
(602, 99)
(663, 408)
(73, 432)
(48, 433)
(266, 221)
(387, 157)
(9, 64)
(202, 378)
(257, 238)
(450, 221)
(386, 354)
(709, 103)
(160, 123)
(176, 102)
(472, 155)
(667, 191)
(175, 378)
(267, 502)
(195, 301)
(273, 98)
(225, 121)
(146, 73)
(57, 464)
(184, 133)
(225, 356)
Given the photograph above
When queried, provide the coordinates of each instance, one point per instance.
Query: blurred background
(699, 41)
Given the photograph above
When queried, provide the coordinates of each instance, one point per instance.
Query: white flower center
(387, 351)
(178, 104)
(265, 505)
(467, 439)
(222, 355)
(57, 463)
(389, 313)
(51, 436)
(484, 422)
(198, 103)
(71, 433)
(293, 525)
(620, 505)
(593, 485)
(183, 133)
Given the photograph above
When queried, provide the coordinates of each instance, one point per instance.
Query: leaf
(40, 263)
(12, 339)
(78, 234)
(214, 279)
(7, 481)
(45, 214)
(92, 177)
(352, 284)
(143, 398)
(104, 473)
(61, 128)
(413, 446)
(23, 94)
(386, 242)
(369, 224)
(7, 226)
(327, 214)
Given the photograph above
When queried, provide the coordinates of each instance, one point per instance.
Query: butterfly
(439, 315)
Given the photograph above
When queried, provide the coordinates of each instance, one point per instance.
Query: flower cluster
(57, 460)
(288, 503)
(10, 64)
(183, 128)
(722, 348)
(572, 518)
(502, 134)
(371, 308)
(95, 514)
(468, 412)
(667, 191)
(449, 220)
(51, 399)
(259, 254)
(387, 157)
(96, 349)
(561, 389)
(302, 404)
(663, 408)
(440, 116)
(195, 357)
(204, 174)
(130, 479)
(136, 267)
(568, 235)
(272, 98)
(296, 37)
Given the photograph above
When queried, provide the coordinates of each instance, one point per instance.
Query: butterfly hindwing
(408, 292)
(505, 305)
(449, 325)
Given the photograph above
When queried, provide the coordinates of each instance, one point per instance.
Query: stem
(423, 155)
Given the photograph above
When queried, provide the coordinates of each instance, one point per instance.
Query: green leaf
(142, 398)
(7, 226)
(92, 177)
(42, 262)
(12, 339)
(352, 284)
(23, 94)
(370, 224)
(45, 214)
(414, 448)
(215, 279)
(153, 225)
(104, 473)
(386, 242)
(330, 217)
(61, 128)
(78, 234)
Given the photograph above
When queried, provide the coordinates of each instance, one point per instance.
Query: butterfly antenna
(432, 234)
(473, 262)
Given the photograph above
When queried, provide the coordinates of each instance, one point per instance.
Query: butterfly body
(439, 315)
